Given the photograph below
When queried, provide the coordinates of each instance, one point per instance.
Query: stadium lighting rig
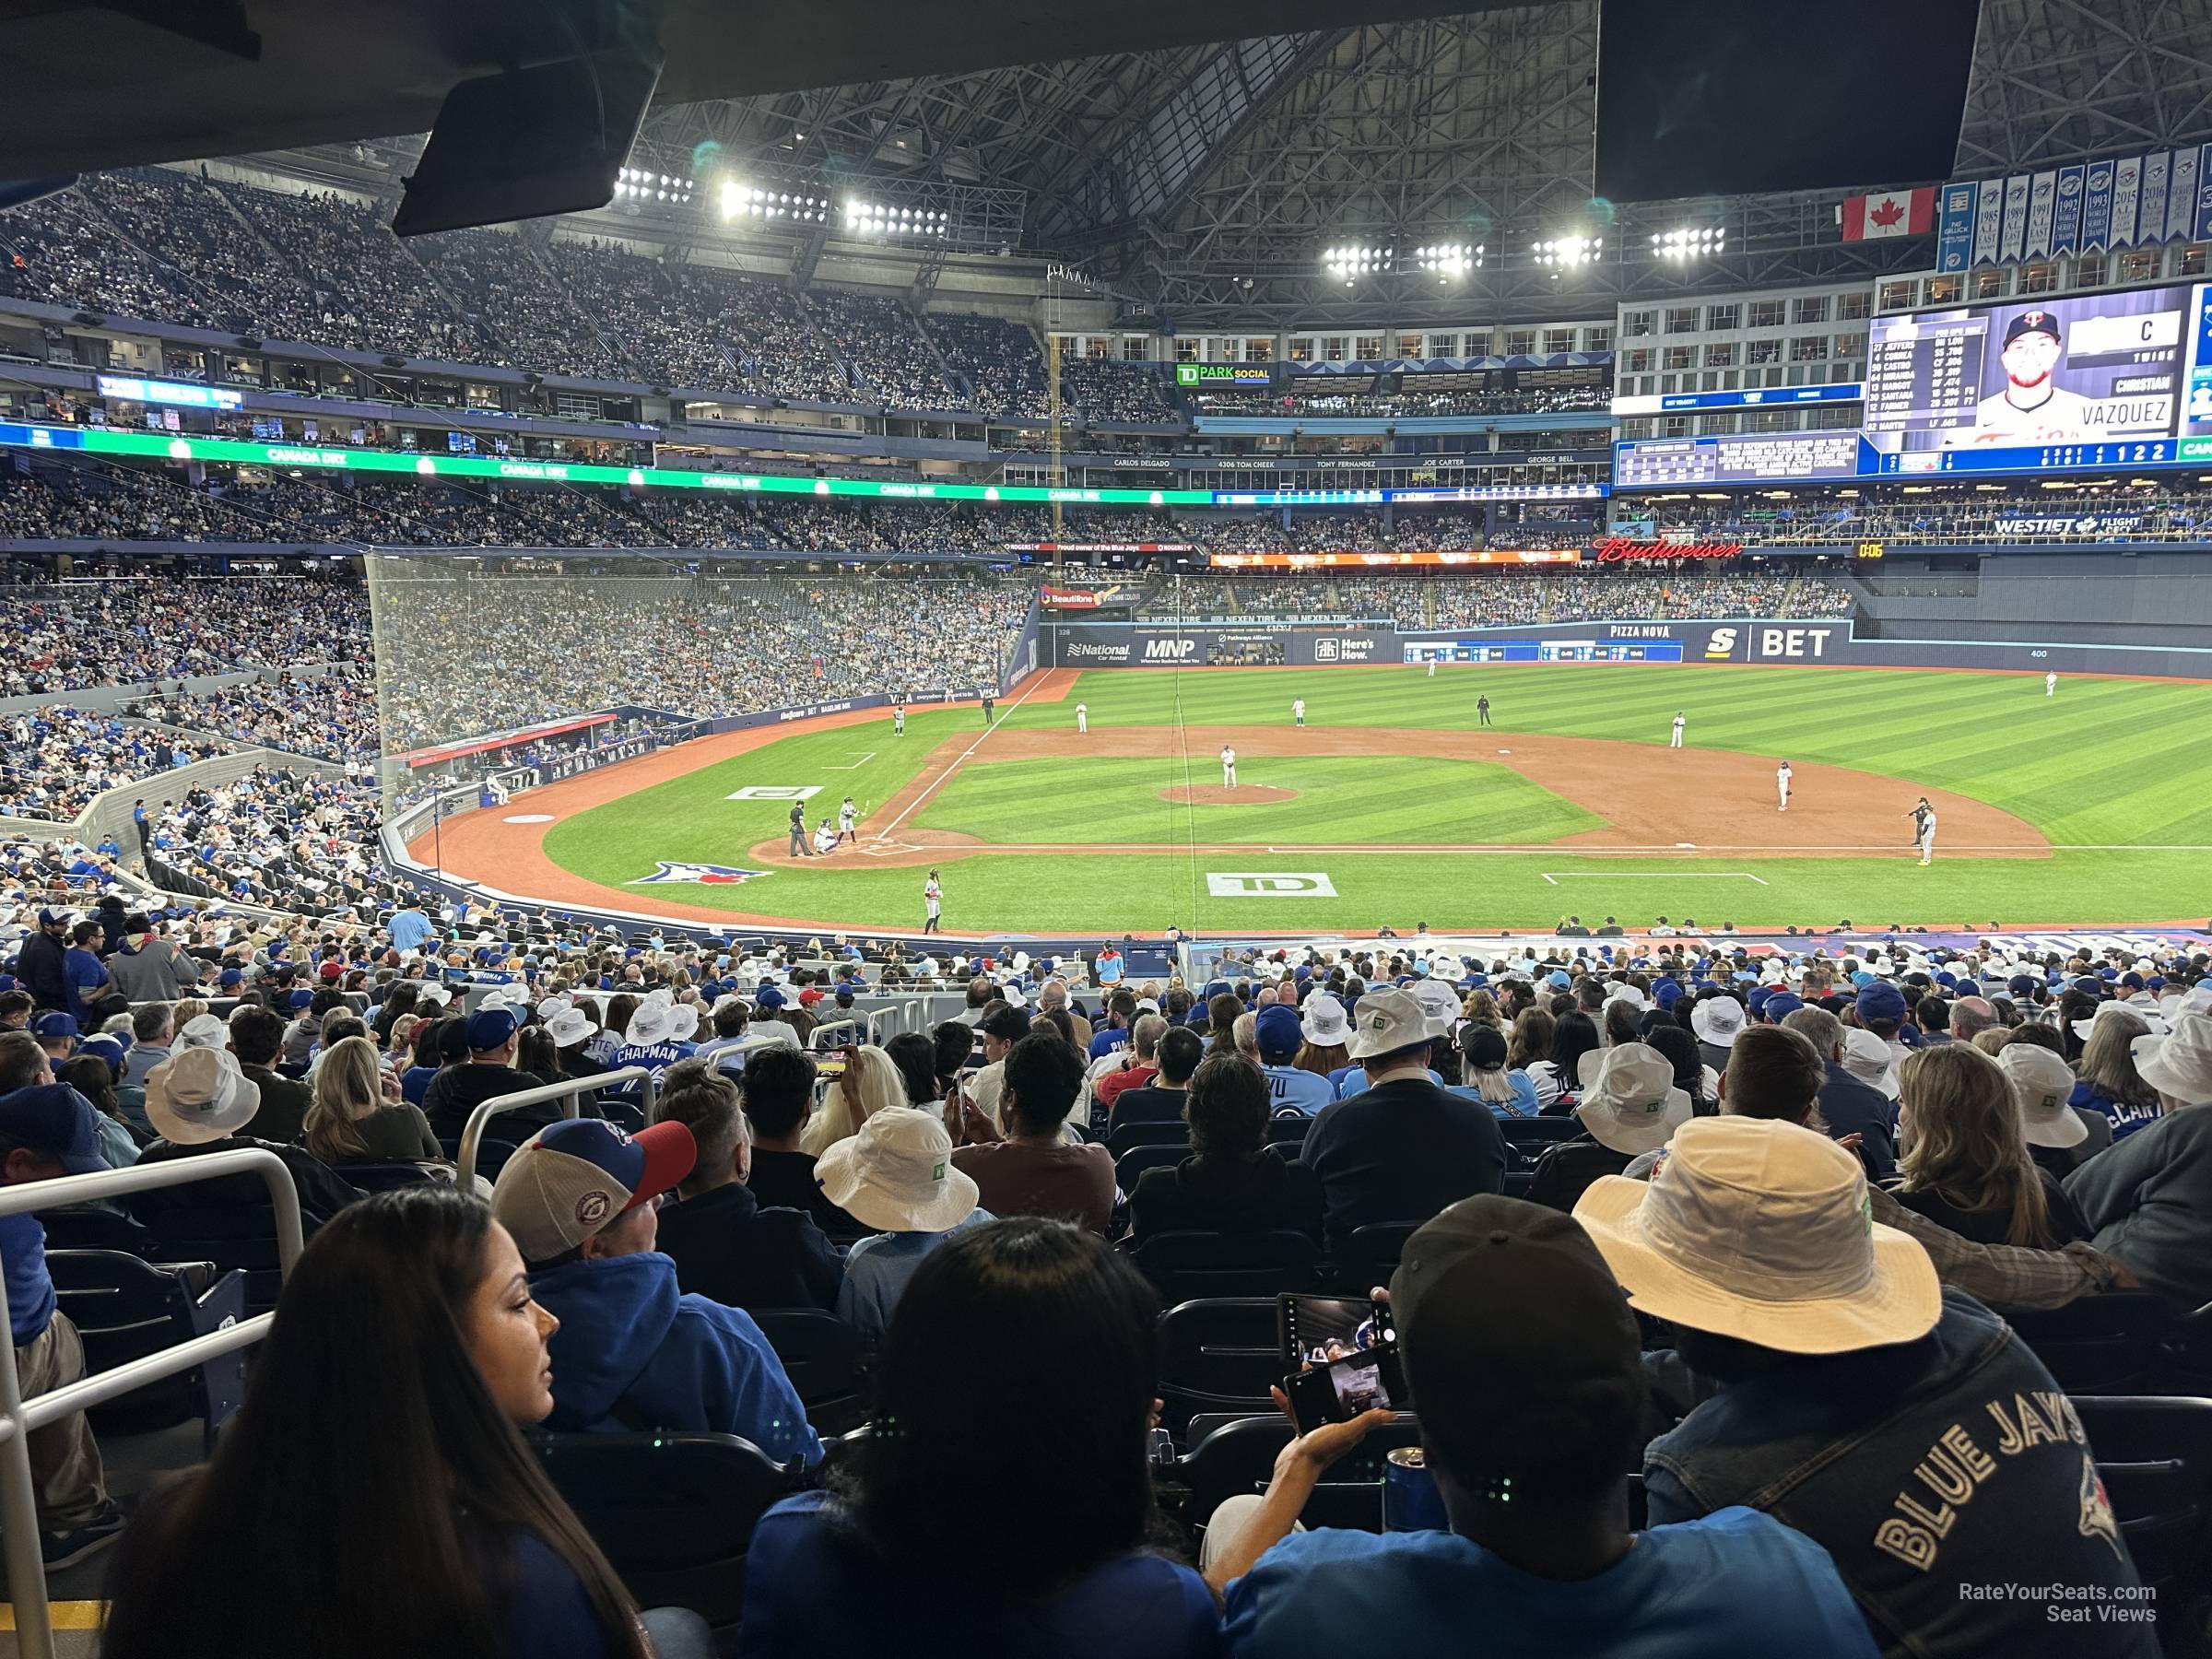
(742, 201)
(1698, 242)
(879, 218)
(1448, 260)
(1568, 250)
(1350, 262)
(642, 184)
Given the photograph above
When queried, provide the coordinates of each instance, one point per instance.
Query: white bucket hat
(1718, 1021)
(2105, 1010)
(1324, 1021)
(2178, 1064)
(2043, 1084)
(204, 1031)
(1869, 1059)
(1438, 1003)
(683, 1022)
(569, 1027)
(1388, 1019)
(895, 1173)
(1634, 1106)
(549, 1006)
(1761, 1231)
(199, 1094)
(654, 1020)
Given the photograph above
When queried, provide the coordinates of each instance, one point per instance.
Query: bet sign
(1619, 549)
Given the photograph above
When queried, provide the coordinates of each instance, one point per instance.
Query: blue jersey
(1292, 1089)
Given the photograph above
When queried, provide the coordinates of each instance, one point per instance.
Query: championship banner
(2097, 207)
(2127, 185)
(2043, 199)
(2065, 227)
(2180, 196)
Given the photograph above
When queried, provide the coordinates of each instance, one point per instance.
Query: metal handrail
(19, 1508)
(568, 1092)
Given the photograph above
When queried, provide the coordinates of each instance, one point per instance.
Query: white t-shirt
(2059, 417)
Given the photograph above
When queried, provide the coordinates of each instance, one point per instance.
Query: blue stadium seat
(125, 1308)
(1129, 1136)
(825, 1359)
(1185, 1266)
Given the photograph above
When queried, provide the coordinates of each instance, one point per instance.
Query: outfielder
(1298, 711)
(1782, 784)
(899, 720)
(847, 817)
(1228, 766)
(931, 895)
(1679, 723)
(2050, 683)
(1431, 667)
(1082, 717)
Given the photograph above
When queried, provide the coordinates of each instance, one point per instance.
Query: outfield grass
(1379, 800)
(2117, 773)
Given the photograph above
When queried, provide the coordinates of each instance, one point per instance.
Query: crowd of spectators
(330, 717)
(890, 360)
(997, 358)
(54, 760)
(301, 842)
(2152, 513)
(1306, 397)
(126, 629)
(1104, 390)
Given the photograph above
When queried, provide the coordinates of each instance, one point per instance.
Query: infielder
(931, 895)
(898, 720)
(1298, 711)
(1679, 723)
(847, 817)
(1228, 766)
(1925, 814)
(2050, 683)
(987, 706)
(1782, 784)
(1921, 809)
(1082, 717)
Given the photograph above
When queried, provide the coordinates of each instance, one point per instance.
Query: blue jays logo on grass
(710, 875)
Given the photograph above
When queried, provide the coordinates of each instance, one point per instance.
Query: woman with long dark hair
(1221, 1011)
(1574, 1036)
(1054, 1491)
(373, 1495)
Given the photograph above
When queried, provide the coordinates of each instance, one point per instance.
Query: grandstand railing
(20, 1418)
(568, 1092)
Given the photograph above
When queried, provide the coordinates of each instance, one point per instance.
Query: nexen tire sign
(1761, 644)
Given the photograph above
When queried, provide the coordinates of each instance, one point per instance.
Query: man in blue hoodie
(632, 1352)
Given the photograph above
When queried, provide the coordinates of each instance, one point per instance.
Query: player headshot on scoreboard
(2031, 407)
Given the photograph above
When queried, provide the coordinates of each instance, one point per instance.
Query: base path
(1656, 801)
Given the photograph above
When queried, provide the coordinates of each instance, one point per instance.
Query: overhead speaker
(1746, 97)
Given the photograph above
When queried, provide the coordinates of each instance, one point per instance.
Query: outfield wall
(1794, 643)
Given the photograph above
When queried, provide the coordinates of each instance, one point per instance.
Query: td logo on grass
(1271, 884)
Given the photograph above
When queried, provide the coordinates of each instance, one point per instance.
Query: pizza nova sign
(1619, 549)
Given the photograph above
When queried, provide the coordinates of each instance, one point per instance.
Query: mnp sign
(1269, 884)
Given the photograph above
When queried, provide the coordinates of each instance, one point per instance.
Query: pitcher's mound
(1214, 795)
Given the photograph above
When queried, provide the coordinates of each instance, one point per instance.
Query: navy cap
(490, 1028)
(1782, 1004)
(231, 976)
(52, 1117)
(302, 999)
(1276, 1031)
(767, 997)
(1881, 1000)
(2036, 321)
(54, 1024)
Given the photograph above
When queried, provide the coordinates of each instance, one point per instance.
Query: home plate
(529, 817)
(886, 848)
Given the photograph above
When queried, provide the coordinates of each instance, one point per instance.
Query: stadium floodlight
(1448, 260)
(1358, 259)
(1567, 251)
(1689, 243)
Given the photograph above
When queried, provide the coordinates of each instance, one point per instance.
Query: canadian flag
(1899, 213)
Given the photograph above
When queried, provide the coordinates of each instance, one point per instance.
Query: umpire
(799, 848)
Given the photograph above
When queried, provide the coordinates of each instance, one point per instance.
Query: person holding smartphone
(1515, 1338)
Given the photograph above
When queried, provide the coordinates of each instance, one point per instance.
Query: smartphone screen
(1317, 1329)
(1339, 1389)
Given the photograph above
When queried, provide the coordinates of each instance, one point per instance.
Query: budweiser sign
(1619, 549)
(1069, 598)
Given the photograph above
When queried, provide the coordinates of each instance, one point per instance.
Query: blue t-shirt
(805, 1598)
(1736, 1581)
(551, 1616)
(1292, 1089)
(1349, 1080)
(1523, 1103)
(84, 975)
(409, 928)
(878, 1267)
(29, 1288)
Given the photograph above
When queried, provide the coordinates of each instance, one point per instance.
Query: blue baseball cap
(2021, 985)
(1667, 993)
(1782, 1004)
(301, 999)
(767, 997)
(1276, 1031)
(54, 1024)
(105, 1045)
(1756, 998)
(580, 1175)
(231, 978)
(52, 1117)
(1881, 1000)
(1559, 978)
(490, 1028)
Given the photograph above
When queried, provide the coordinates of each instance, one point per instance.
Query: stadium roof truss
(1206, 180)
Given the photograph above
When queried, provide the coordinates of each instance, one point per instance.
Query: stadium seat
(1185, 1266)
(673, 1513)
(2155, 1456)
(88, 1226)
(2104, 1344)
(1240, 1457)
(1287, 1134)
(1219, 1354)
(824, 1358)
(1132, 1136)
(1526, 1138)
(1131, 1165)
(230, 1235)
(1370, 1255)
(383, 1177)
(125, 1310)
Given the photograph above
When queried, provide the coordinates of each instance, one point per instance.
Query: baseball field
(1395, 804)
